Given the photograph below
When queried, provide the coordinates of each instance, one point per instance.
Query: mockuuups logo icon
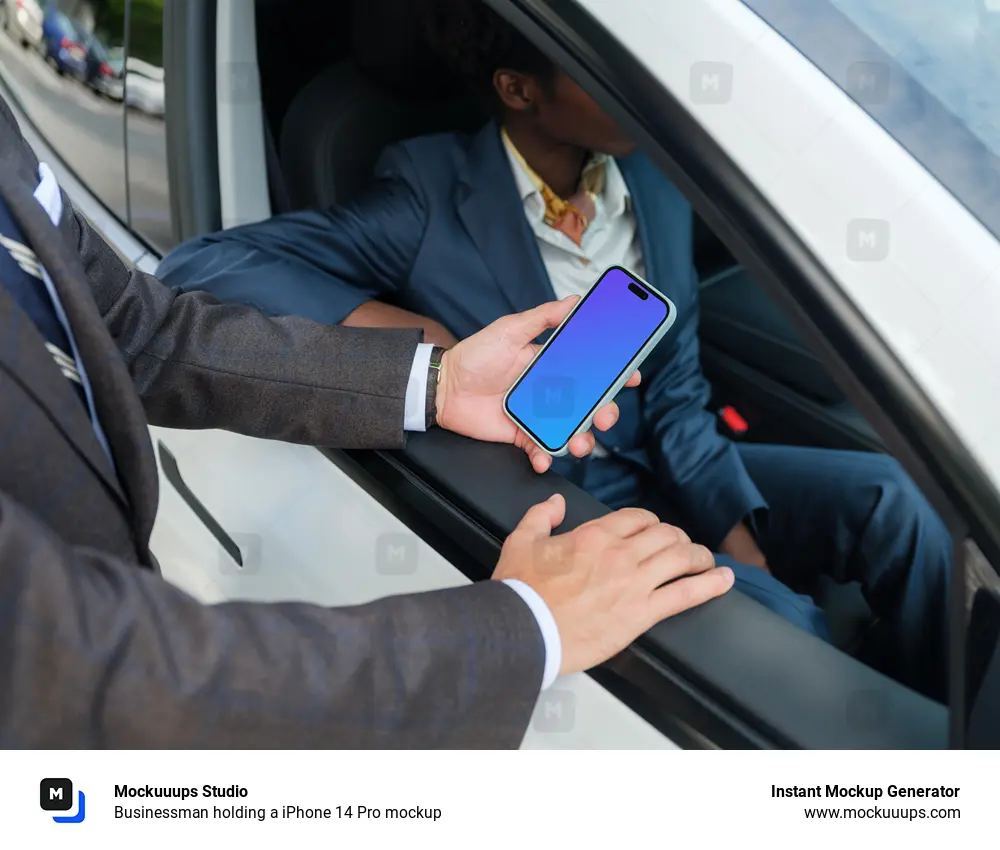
(555, 712)
(56, 795)
(554, 397)
(867, 240)
(711, 82)
(396, 554)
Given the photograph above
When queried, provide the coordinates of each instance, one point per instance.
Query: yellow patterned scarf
(560, 214)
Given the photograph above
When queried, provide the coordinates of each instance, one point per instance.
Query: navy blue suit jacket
(442, 232)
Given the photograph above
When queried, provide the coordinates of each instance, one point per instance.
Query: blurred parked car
(144, 87)
(22, 20)
(105, 72)
(64, 44)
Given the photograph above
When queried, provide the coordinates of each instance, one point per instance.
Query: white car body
(24, 21)
(144, 87)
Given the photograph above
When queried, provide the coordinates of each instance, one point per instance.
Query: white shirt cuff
(414, 412)
(547, 624)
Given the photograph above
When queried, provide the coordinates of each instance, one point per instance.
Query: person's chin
(620, 148)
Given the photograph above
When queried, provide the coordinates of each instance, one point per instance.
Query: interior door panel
(758, 364)
(740, 319)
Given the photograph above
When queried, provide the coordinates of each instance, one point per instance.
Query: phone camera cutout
(635, 289)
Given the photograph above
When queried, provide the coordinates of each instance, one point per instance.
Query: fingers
(582, 444)
(540, 461)
(679, 560)
(688, 593)
(540, 519)
(524, 327)
(655, 538)
(606, 417)
(627, 521)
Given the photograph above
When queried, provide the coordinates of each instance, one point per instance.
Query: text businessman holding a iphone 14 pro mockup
(588, 358)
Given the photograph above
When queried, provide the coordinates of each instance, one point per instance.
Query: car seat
(391, 88)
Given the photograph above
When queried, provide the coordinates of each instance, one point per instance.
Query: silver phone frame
(615, 388)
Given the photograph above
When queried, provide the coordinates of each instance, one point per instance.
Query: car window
(52, 66)
(929, 73)
(145, 98)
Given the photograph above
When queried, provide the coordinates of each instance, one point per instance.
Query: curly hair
(474, 41)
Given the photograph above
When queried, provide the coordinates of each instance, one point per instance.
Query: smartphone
(588, 359)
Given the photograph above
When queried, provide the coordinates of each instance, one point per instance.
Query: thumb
(540, 519)
(524, 327)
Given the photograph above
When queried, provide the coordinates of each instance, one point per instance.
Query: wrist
(546, 625)
(741, 544)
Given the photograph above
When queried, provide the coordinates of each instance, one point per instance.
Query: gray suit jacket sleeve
(198, 363)
(101, 654)
(95, 652)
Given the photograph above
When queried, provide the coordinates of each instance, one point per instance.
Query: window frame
(192, 140)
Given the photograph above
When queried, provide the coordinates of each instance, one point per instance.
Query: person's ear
(516, 91)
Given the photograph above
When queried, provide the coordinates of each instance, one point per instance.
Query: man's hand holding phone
(477, 372)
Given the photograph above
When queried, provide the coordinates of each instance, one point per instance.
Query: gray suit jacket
(95, 649)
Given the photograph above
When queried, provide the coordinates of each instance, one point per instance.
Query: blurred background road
(89, 132)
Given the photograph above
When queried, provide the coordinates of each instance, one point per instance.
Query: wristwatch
(433, 377)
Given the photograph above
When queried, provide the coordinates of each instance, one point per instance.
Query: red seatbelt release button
(736, 423)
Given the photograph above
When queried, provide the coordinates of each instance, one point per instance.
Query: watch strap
(433, 377)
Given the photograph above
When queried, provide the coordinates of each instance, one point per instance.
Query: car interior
(330, 116)
(341, 80)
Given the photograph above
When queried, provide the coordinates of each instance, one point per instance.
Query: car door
(860, 195)
(728, 674)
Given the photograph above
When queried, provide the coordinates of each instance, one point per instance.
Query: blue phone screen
(586, 357)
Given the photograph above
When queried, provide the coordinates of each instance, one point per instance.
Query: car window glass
(53, 62)
(145, 99)
(929, 73)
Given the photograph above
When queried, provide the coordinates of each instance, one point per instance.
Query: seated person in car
(456, 231)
